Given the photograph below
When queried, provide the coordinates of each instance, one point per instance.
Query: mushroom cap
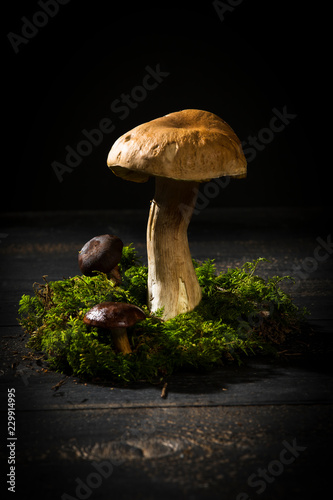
(189, 145)
(101, 253)
(114, 315)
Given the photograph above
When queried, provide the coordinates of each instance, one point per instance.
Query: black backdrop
(85, 66)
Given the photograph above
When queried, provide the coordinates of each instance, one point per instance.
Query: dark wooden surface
(214, 430)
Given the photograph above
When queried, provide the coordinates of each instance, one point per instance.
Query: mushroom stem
(115, 275)
(172, 282)
(120, 340)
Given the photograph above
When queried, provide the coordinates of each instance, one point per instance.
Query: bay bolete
(101, 253)
(116, 317)
(180, 150)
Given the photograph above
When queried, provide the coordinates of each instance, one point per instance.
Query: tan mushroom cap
(189, 145)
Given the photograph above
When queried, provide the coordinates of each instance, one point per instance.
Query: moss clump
(240, 312)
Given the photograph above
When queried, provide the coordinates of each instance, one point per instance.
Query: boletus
(115, 317)
(180, 150)
(101, 253)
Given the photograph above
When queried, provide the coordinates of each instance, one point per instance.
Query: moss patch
(240, 314)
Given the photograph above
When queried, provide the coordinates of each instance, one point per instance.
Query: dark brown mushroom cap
(101, 253)
(113, 315)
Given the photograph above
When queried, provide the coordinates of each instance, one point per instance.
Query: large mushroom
(181, 150)
(115, 317)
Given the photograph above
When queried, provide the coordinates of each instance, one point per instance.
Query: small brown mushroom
(101, 253)
(116, 317)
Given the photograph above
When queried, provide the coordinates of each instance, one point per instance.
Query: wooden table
(260, 430)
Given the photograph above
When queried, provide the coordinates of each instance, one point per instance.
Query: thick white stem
(172, 282)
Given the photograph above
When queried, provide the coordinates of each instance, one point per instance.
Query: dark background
(263, 55)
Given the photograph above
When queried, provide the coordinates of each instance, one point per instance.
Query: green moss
(240, 313)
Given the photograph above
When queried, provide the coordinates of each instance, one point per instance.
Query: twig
(59, 384)
(164, 393)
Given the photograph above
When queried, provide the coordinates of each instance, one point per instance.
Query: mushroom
(116, 317)
(101, 253)
(181, 150)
